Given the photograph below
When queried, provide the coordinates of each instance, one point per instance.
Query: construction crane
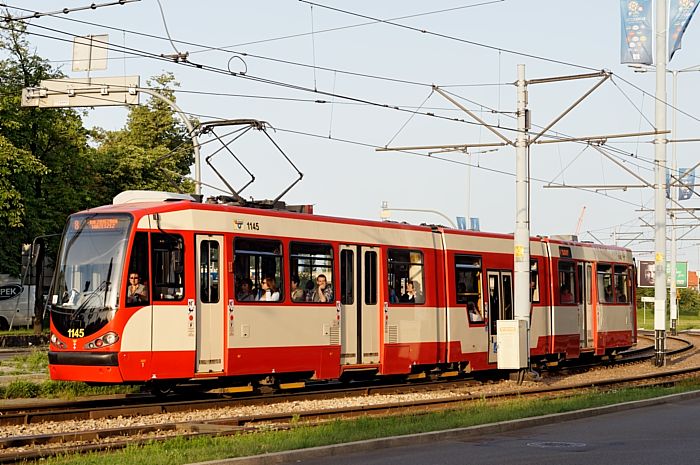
(580, 220)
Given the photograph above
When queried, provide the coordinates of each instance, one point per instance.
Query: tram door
(209, 304)
(500, 294)
(359, 305)
(586, 304)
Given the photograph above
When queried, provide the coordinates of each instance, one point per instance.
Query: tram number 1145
(76, 333)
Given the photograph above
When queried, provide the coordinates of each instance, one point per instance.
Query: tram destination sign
(646, 276)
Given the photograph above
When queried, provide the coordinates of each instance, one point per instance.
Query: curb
(470, 432)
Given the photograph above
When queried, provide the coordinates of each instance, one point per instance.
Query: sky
(334, 84)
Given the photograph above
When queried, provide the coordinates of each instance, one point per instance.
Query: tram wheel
(162, 389)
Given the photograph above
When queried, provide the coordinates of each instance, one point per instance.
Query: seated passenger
(309, 290)
(608, 294)
(269, 290)
(474, 313)
(245, 290)
(393, 298)
(410, 296)
(621, 297)
(566, 297)
(297, 293)
(323, 292)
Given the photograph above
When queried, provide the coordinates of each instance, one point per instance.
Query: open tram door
(210, 311)
(359, 305)
(500, 298)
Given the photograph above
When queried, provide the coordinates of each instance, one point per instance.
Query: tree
(44, 157)
(44, 152)
(153, 151)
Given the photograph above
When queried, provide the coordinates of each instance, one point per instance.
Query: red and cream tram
(247, 294)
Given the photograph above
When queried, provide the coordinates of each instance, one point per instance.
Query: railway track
(32, 447)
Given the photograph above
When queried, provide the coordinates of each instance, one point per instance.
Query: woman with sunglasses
(137, 292)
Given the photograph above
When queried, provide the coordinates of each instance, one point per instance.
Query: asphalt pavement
(655, 431)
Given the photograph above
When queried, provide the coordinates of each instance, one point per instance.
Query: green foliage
(153, 152)
(22, 389)
(688, 300)
(19, 389)
(45, 167)
(37, 361)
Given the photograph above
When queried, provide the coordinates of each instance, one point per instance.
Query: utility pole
(674, 195)
(522, 210)
(660, 188)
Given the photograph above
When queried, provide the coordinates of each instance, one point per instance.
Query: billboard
(647, 272)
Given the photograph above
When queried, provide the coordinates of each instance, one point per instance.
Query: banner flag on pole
(681, 12)
(636, 31)
(684, 193)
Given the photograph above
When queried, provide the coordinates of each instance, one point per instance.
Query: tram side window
(312, 264)
(468, 286)
(370, 278)
(605, 283)
(405, 275)
(258, 261)
(168, 258)
(534, 282)
(209, 272)
(347, 277)
(137, 292)
(622, 284)
(567, 283)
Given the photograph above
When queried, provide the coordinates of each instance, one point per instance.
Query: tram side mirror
(87, 286)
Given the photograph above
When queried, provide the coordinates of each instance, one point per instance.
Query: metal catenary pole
(660, 189)
(522, 219)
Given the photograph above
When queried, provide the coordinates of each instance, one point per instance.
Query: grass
(36, 361)
(684, 321)
(23, 331)
(181, 451)
(22, 389)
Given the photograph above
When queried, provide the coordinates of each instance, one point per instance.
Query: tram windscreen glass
(89, 270)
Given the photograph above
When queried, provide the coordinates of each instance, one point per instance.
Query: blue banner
(681, 11)
(636, 32)
(684, 193)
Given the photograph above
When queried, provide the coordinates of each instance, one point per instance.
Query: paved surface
(658, 431)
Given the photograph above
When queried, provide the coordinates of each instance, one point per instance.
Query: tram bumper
(98, 367)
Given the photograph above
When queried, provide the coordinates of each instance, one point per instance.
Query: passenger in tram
(474, 313)
(393, 298)
(566, 297)
(297, 293)
(245, 290)
(621, 297)
(608, 293)
(410, 296)
(309, 290)
(323, 292)
(137, 292)
(269, 290)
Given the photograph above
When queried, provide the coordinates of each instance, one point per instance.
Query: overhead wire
(271, 59)
(449, 37)
(258, 79)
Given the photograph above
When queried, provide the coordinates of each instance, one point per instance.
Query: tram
(161, 289)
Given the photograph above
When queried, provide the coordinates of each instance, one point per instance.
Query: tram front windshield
(86, 291)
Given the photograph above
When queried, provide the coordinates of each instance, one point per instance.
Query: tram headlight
(57, 342)
(105, 340)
